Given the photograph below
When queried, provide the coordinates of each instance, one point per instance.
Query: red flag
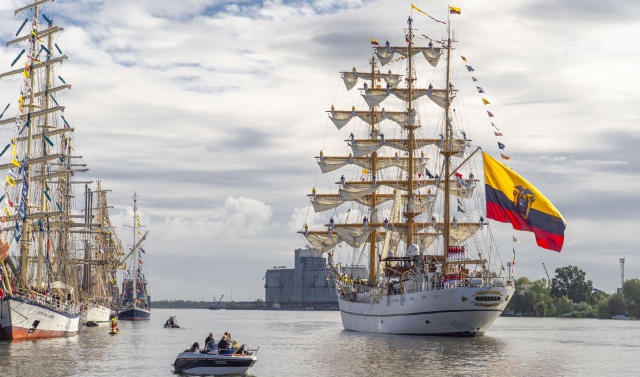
(504, 157)
(489, 113)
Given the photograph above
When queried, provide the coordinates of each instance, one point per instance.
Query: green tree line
(570, 294)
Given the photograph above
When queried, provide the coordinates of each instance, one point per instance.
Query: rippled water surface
(314, 344)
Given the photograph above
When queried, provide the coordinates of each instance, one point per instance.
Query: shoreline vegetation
(571, 295)
(568, 295)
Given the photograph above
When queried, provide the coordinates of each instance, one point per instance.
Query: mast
(135, 257)
(26, 229)
(374, 156)
(409, 211)
(43, 169)
(447, 152)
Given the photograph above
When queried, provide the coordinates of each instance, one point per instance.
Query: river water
(314, 344)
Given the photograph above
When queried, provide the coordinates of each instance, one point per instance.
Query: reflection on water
(314, 344)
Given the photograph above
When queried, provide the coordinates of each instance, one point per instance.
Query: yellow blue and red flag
(512, 199)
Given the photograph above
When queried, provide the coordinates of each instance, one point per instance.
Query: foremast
(36, 108)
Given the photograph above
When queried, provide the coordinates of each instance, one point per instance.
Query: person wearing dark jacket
(224, 343)
(209, 338)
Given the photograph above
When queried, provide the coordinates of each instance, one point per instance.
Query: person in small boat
(208, 339)
(223, 344)
(195, 348)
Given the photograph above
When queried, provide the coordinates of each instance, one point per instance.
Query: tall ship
(39, 277)
(405, 229)
(102, 251)
(135, 302)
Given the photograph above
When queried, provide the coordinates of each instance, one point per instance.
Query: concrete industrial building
(308, 285)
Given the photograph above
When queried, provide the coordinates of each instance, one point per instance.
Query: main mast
(409, 210)
(135, 252)
(447, 152)
(374, 156)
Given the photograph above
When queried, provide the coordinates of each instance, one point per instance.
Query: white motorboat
(214, 363)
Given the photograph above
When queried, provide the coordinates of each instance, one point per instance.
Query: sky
(212, 112)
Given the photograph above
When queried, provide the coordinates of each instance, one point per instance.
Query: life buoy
(452, 285)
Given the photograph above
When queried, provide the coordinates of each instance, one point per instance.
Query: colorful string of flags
(496, 131)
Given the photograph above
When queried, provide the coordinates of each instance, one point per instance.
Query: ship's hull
(213, 364)
(97, 315)
(22, 319)
(134, 314)
(460, 311)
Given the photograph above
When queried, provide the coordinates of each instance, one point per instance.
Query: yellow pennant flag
(15, 162)
(11, 181)
(485, 101)
(418, 9)
(6, 211)
(365, 171)
(463, 58)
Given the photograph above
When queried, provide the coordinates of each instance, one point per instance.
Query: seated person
(195, 348)
(223, 345)
(212, 345)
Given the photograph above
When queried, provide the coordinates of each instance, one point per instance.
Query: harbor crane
(546, 272)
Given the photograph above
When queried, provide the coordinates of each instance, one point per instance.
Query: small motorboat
(171, 323)
(215, 363)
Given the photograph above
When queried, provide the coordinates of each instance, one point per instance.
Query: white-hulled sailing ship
(411, 251)
(135, 304)
(102, 254)
(39, 277)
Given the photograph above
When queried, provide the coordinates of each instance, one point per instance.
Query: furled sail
(330, 201)
(398, 185)
(363, 147)
(354, 237)
(462, 189)
(340, 118)
(351, 78)
(375, 98)
(352, 193)
(329, 164)
(432, 55)
(462, 232)
(402, 117)
(385, 54)
(326, 202)
(322, 242)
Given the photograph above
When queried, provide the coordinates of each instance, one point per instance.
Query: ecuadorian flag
(511, 199)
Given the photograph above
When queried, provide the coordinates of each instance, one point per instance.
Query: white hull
(460, 311)
(22, 318)
(202, 364)
(97, 315)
